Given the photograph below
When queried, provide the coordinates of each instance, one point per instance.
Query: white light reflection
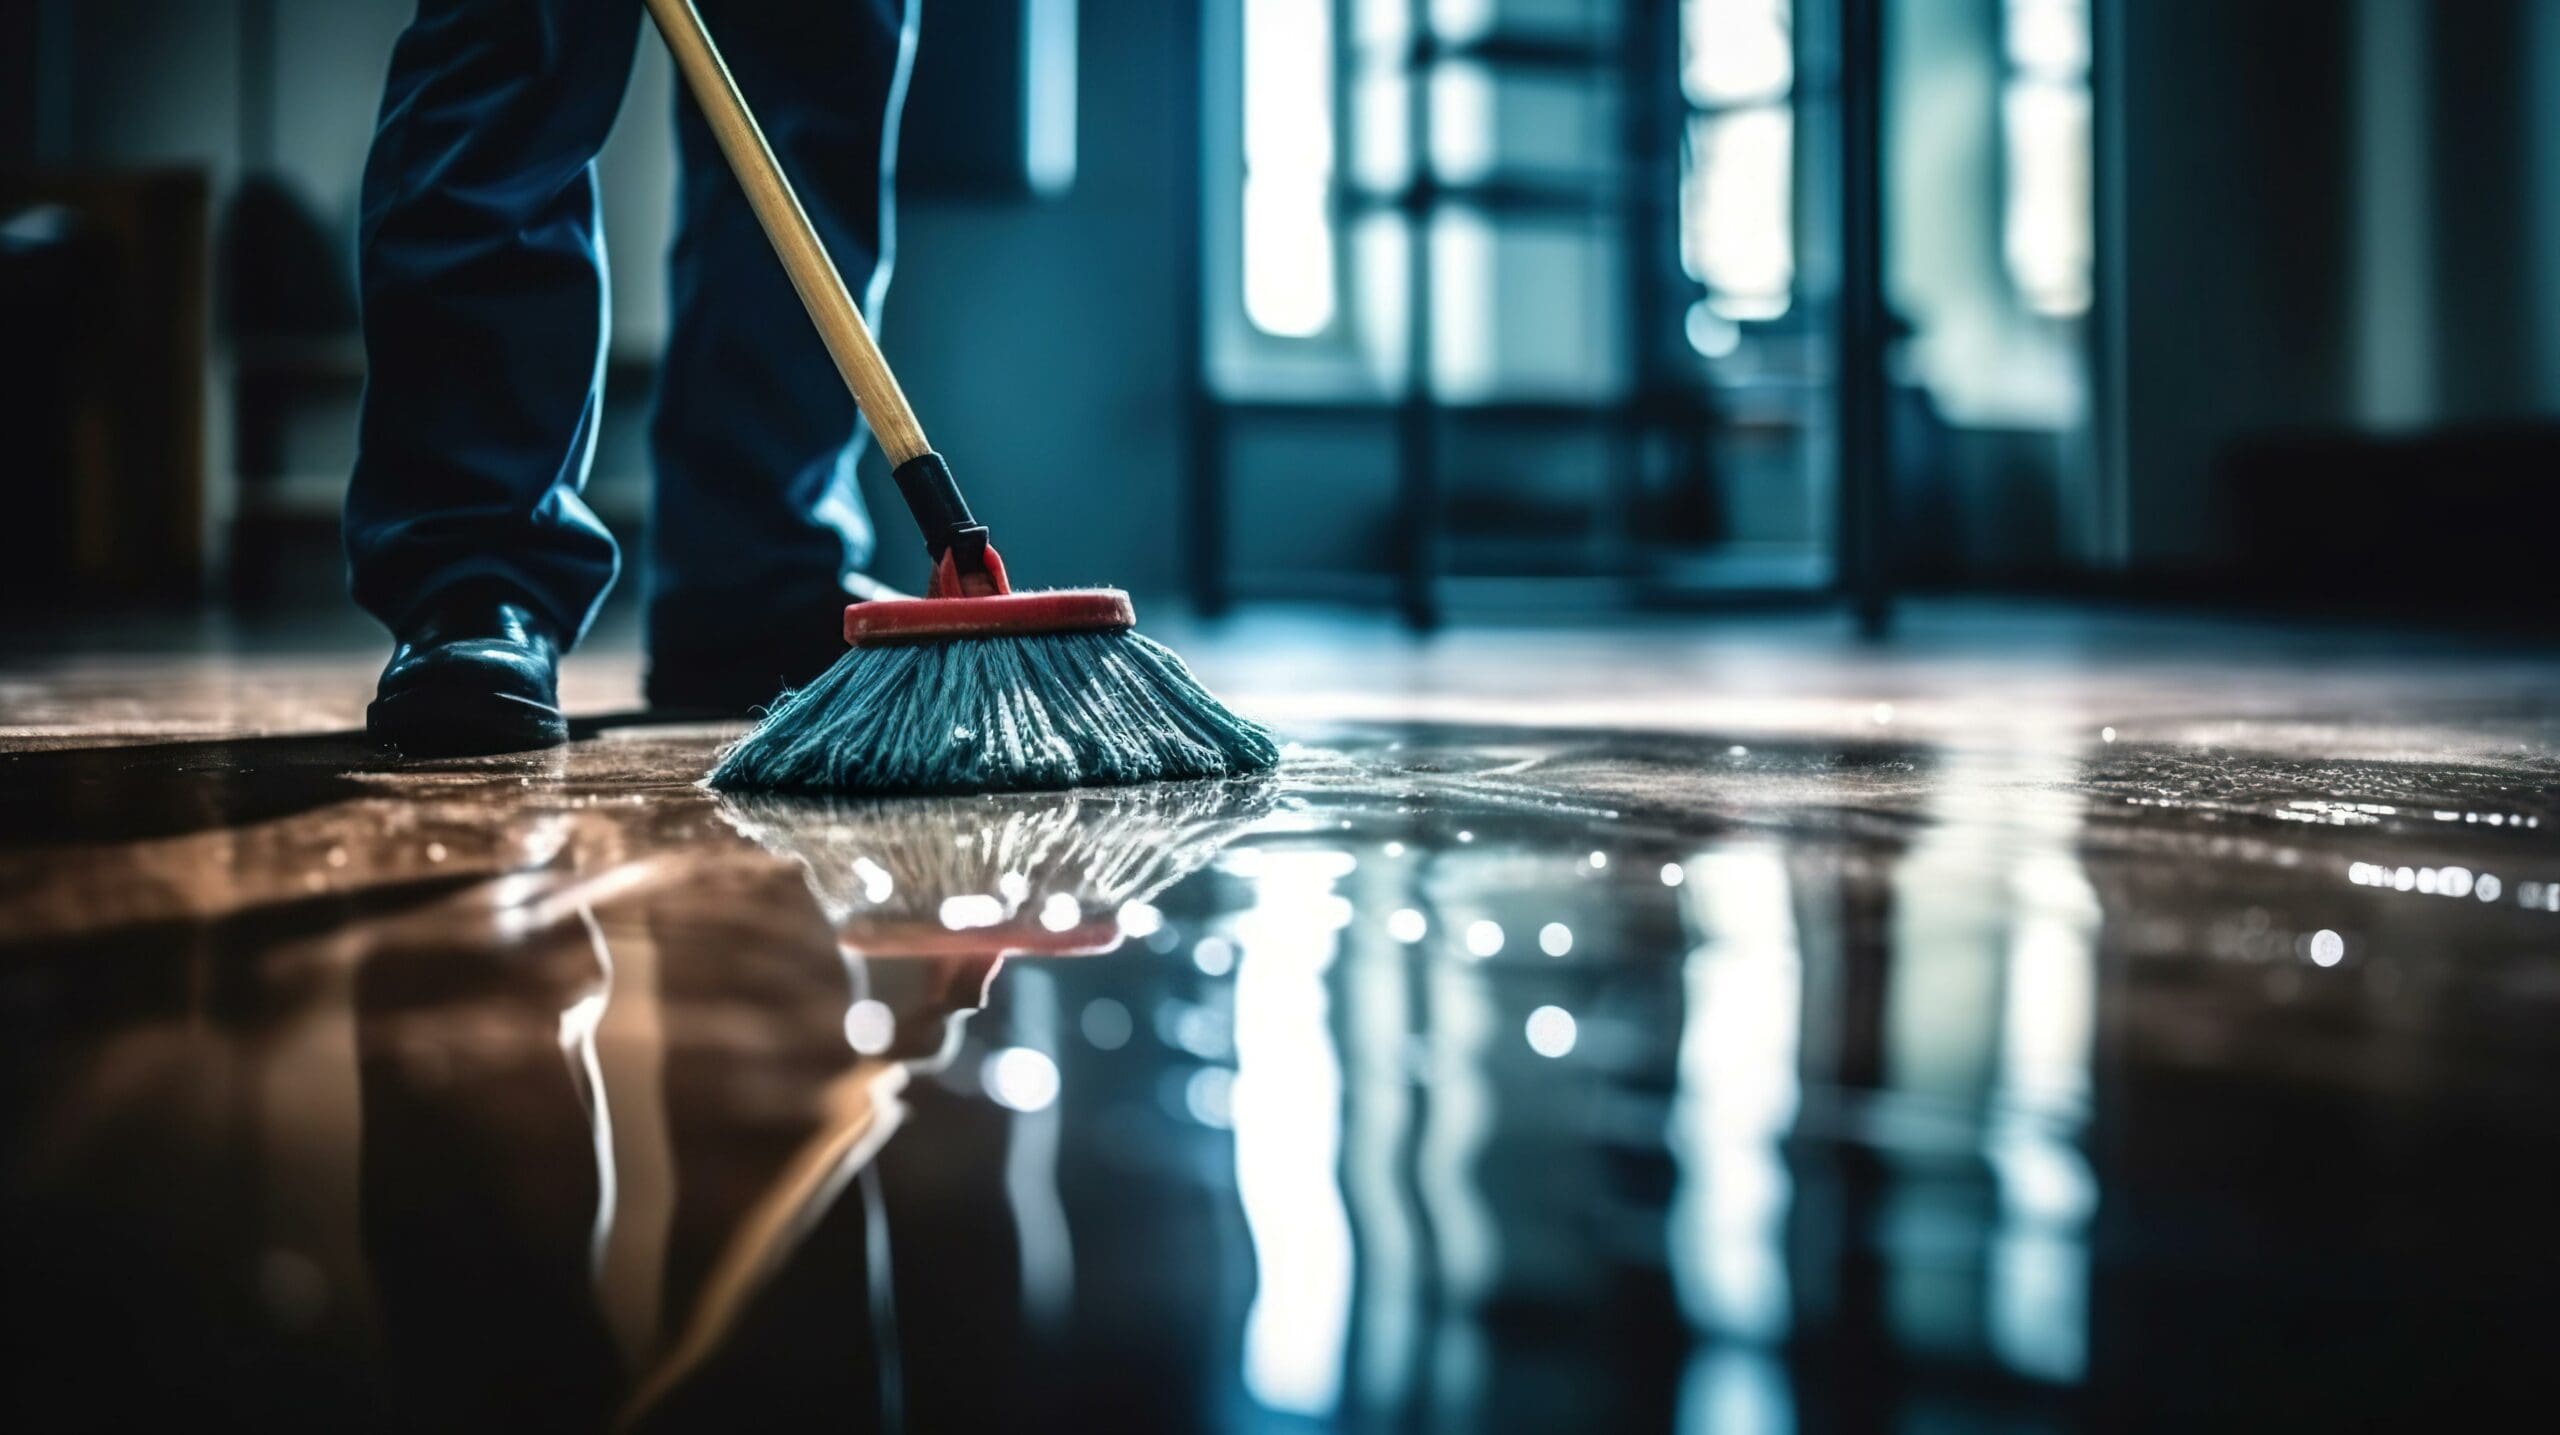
(1407, 925)
(1990, 1008)
(870, 1027)
(877, 885)
(1484, 939)
(974, 910)
(578, 1027)
(1735, 1390)
(1738, 1094)
(1551, 1031)
(1555, 939)
(1140, 920)
(1287, 1106)
(1375, 1016)
(1060, 912)
(2039, 1259)
(1020, 1078)
(1210, 1097)
(2431, 881)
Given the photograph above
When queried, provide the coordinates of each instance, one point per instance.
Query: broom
(973, 687)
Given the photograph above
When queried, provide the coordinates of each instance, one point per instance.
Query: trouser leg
(483, 276)
(758, 518)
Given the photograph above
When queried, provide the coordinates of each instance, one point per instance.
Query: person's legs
(483, 279)
(759, 525)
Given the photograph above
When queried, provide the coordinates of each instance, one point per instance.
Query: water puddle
(1452, 1078)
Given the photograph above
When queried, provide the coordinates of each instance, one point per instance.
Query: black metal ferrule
(941, 514)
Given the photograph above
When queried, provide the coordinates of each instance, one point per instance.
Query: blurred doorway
(1537, 302)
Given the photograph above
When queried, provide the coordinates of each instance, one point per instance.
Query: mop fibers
(993, 714)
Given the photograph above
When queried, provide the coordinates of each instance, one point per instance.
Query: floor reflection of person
(479, 1190)
(550, 1252)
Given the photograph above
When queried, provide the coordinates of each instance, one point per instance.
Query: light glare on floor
(1021, 1079)
(870, 1027)
(1552, 1031)
(976, 909)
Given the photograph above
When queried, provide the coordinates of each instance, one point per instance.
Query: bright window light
(1049, 95)
(2047, 229)
(1737, 52)
(1552, 1031)
(1289, 282)
(1461, 122)
(2049, 37)
(1741, 210)
(1737, 183)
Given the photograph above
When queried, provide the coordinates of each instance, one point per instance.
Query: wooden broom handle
(795, 239)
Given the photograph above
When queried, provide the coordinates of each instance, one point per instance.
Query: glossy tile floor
(2044, 1022)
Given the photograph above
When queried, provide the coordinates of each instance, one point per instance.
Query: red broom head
(984, 607)
(1019, 936)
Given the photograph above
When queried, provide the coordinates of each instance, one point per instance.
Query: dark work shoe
(477, 674)
(734, 674)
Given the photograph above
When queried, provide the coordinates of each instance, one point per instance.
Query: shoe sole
(435, 723)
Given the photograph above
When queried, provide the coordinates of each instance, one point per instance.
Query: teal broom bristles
(992, 714)
(874, 862)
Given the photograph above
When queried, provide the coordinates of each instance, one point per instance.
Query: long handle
(804, 257)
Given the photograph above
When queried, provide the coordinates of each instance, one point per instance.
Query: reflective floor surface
(2034, 1025)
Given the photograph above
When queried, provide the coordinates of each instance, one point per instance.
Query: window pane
(1288, 85)
(2047, 235)
(1738, 211)
(1288, 157)
(2049, 38)
(1288, 255)
(1737, 51)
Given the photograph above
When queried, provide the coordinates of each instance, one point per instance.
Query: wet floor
(2122, 1047)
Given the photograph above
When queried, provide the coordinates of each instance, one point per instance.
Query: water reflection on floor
(1458, 1078)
